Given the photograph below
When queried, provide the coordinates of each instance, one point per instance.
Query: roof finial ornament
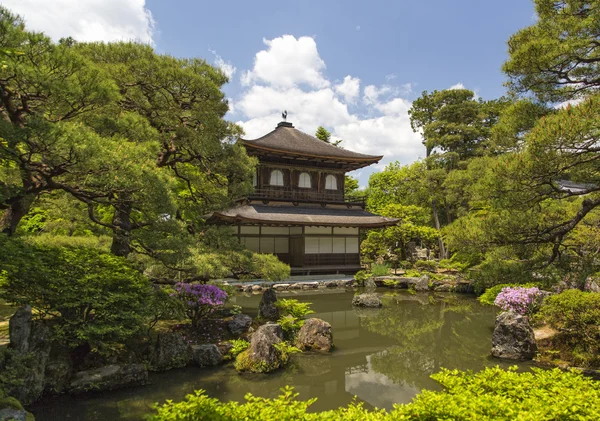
(284, 115)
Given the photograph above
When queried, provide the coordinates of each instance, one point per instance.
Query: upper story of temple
(294, 166)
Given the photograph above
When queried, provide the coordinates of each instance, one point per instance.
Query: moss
(11, 403)
(244, 363)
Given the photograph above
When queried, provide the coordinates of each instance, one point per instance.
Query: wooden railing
(301, 195)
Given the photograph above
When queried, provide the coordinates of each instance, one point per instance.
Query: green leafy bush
(426, 265)
(499, 267)
(361, 276)
(292, 313)
(576, 316)
(380, 270)
(492, 394)
(490, 294)
(85, 294)
(239, 345)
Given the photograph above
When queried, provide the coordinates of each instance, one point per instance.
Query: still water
(381, 356)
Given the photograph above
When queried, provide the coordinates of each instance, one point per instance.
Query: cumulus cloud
(288, 61)
(458, 85)
(87, 20)
(225, 66)
(290, 75)
(349, 88)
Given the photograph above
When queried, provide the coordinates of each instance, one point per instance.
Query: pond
(381, 356)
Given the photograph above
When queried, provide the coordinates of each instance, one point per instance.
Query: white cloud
(87, 20)
(288, 62)
(458, 85)
(378, 125)
(349, 88)
(225, 66)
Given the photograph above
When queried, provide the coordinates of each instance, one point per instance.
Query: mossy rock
(11, 403)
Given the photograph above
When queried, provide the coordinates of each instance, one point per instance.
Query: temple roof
(286, 140)
(293, 215)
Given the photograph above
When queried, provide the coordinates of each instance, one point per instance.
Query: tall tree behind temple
(323, 134)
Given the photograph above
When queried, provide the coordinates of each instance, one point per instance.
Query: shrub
(521, 300)
(576, 315)
(199, 300)
(380, 270)
(361, 276)
(492, 394)
(85, 294)
(490, 294)
(239, 345)
(426, 265)
(292, 313)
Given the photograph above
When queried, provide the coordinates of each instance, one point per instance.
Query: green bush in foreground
(492, 394)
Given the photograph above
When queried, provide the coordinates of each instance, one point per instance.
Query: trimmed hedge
(492, 394)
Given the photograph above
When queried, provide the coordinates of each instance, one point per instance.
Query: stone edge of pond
(458, 285)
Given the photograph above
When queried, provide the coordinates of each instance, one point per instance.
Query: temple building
(299, 210)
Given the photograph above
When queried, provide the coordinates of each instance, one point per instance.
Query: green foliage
(87, 295)
(426, 265)
(323, 134)
(492, 394)
(490, 294)
(239, 345)
(576, 315)
(380, 270)
(556, 58)
(361, 276)
(15, 367)
(292, 313)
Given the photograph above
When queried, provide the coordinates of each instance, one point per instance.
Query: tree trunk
(122, 227)
(436, 222)
(12, 216)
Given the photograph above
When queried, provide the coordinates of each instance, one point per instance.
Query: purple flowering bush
(521, 300)
(199, 300)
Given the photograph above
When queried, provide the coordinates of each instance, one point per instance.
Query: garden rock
(206, 355)
(170, 351)
(262, 355)
(57, 373)
(370, 284)
(367, 300)
(109, 377)
(422, 283)
(10, 414)
(315, 334)
(19, 328)
(513, 337)
(266, 308)
(239, 324)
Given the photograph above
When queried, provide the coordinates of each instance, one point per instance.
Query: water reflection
(382, 356)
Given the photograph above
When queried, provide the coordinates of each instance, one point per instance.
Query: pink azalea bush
(521, 300)
(199, 299)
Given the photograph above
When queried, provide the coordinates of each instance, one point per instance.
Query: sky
(351, 66)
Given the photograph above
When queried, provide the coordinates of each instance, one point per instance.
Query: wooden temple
(299, 210)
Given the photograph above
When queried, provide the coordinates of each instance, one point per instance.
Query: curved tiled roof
(292, 215)
(286, 139)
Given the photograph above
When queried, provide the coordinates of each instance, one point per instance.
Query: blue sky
(351, 66)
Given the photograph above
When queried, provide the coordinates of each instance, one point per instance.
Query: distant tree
(323, 134)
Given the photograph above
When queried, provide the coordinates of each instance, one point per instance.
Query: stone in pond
(262, 356)
(239, 324)
(513, 337)
(206, 355)
(315, 334)
(108, 378)
(267, 309)
(367, 300)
